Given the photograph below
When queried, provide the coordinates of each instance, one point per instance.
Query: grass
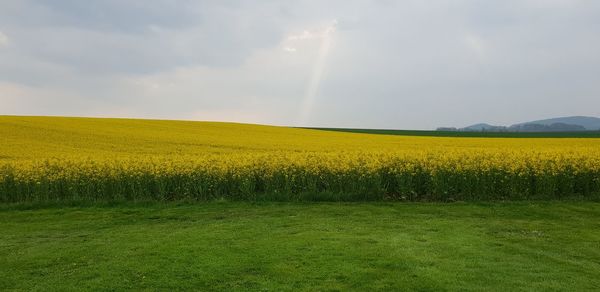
(580, 134)
(524, 246)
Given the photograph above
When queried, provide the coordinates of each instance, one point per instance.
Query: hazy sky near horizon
(369, 64)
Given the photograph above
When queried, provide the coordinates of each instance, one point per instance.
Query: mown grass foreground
(83, 159)
(292, 246)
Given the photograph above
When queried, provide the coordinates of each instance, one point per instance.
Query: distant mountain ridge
(563, 124)
(589, 123)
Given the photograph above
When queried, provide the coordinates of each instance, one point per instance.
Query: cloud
(139, 37)
(314, 34)
(305, 35)
(268, 89)
(476, 45)
(28, 100)
(232, 115)
(3, 39)
(392, 64)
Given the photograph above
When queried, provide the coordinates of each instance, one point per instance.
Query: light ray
(316, 76)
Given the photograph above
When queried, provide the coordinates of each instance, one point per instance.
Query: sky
(361, 64)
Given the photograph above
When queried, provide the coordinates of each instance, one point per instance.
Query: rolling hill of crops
(62, 159)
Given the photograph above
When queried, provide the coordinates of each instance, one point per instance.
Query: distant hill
(589, 123)
(555, 127)
(484, 127)
(564, 124)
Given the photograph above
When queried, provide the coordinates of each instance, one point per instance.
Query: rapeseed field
(91, 159)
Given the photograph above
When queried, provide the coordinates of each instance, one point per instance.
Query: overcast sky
(368, 64)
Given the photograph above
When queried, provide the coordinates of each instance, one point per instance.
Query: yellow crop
(52, 158)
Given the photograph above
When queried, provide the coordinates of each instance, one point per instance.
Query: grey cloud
(393, 64)
(136, 37)
(131, 16)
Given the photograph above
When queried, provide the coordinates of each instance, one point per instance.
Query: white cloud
(232, 115)
(318, 33)
(305, 35)
(295, 42)
(477, 45)
(3, 39)
(28, 100)
(268, 88)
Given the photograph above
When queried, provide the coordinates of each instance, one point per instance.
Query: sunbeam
(316, 75)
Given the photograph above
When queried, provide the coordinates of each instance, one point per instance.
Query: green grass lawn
(301, 246)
